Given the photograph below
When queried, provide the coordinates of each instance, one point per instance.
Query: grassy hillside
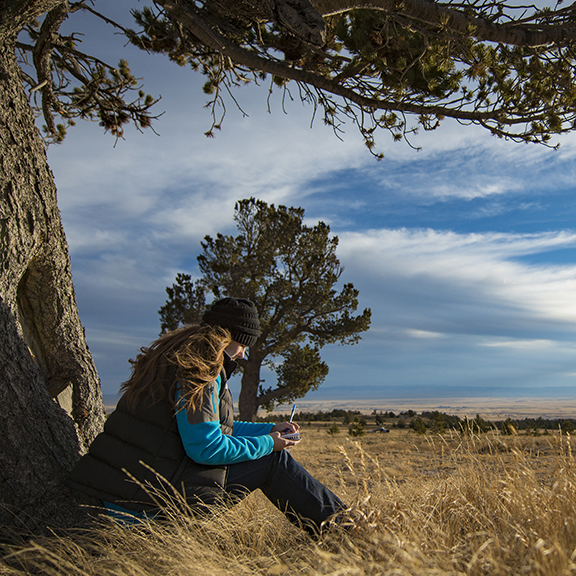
(420, 505)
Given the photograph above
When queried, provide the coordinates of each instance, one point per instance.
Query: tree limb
(272, 395)
(440, 15)
(212, 38)
(16, 15)
(42, 56)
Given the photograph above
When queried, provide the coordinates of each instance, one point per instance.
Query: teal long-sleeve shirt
(203, 439)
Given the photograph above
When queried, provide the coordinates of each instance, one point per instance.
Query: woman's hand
(282, 443)
(285, 428)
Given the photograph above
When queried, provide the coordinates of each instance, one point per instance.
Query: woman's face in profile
(235, 350)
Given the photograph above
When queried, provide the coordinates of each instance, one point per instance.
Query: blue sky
(464, 250)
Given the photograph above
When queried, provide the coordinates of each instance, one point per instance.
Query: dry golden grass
(420, 505)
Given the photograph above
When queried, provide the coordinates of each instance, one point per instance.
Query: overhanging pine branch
(435, 14)
(211, 37)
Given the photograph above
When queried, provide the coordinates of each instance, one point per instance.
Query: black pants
(289, 486)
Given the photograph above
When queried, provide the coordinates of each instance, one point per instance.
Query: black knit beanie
(237, 315)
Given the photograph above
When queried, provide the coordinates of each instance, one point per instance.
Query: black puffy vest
(139, 458)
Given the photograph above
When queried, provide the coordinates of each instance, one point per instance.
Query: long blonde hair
(192, 356)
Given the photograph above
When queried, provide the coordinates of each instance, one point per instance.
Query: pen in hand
(292, 415)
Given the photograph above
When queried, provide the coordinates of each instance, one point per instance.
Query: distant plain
(488, 408)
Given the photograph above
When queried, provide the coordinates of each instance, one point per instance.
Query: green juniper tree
(418, 425)
(334, 429)
(438, 423)
(357, 429)
(291, 272)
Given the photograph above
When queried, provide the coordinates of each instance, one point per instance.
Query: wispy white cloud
(181, 185)
(469, 278)
(116, 338)
(422, 333)
(519, 344)
(469, 192)
(446, 183)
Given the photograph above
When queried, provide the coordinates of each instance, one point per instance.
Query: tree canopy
(291, 272)
(382, 64)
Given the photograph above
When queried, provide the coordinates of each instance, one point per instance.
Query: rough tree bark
(247, 400)
(51, 404)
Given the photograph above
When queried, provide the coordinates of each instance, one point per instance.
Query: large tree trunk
(248, 399)
(51, 404)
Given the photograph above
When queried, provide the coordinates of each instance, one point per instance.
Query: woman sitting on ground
(173, 430)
